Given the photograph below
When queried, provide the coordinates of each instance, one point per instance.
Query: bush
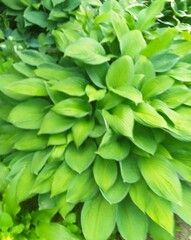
(95, 121)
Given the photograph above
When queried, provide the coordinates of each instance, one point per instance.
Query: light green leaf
(102, 215)
(182, 169)
(121, 121)
(87, 50)
(117, 192)
(128, 92)
(39, 160)
(144, 139)
(161, 177)
(52, 231)
(162, 42)
(62, 179)
(30, 141)
(24, 69)
(105, 173)
(4, 170)
(77, 192)
(57, 139)
(129, 169)
(81, 130)
(164, 61)
(180, 74)
(156, 86)
(97, 73)
(132, 43)
(34, 58)
(29, 114)
(128, 217)
(94, 94)
(53, 123)
(110, 100)
(120, 73)
(183, 210)
(6, 221)
(158, 233)
(73, 107)
(116, 149)
(147, 16)
(175, 96)
(73, 86)
(145, 114)
(79, 159)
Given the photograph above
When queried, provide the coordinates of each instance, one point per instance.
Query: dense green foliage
(95, 132)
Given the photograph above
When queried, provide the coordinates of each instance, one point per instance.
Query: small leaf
(148, 116)
(121, 121)
(81, 130)
(102, 215)
(120, 73)
(105, 173)
(129, 169)
(117, 192)
(73, 107)
(74, 86)
(128, 217)
(53, 123)
(79, 159)
(77, 192)
(34, 58)
(87, 50)
(94, 94)
(132, 43)
(33, 109)
(62, 179)
(161, 177)
(164, 61)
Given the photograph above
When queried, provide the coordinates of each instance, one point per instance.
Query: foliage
(94, 120)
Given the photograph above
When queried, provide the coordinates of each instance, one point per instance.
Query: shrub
(97, 132)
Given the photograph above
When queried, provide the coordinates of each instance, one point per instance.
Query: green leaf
(73, 86)
(132, 43)
(128, 217)
(161, 177)
(110, 101)
(30, 141)
(81, 130)
(97, 74)
(6, 221)
(14, 4)
(56, 2)
(3, 176)
(117, 192)
(183, 210)
(73, 107)
(144, 139)
(79, 159)
(162, 42)
(120, 73)
(121, 121)
(115, 149)
(87, 50)
(175, 96)
(102, 215)
(94, 94)
(180, 74)
(34, 111)
(164, 61)
(156, 86)
(34, 58)
(39, 160)
(57, 139)
(62, 179)
(53, 123)
(158, 233)
(129, 92)
(38, 18)
(129, 169)
(77, 192)
(182, 169)
(147, 16)
(105, 173)
(145, 114)
(52, 231)
(24, 69)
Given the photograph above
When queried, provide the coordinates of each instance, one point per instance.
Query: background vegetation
(95, 119)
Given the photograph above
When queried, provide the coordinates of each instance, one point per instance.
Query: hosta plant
(100, 136)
